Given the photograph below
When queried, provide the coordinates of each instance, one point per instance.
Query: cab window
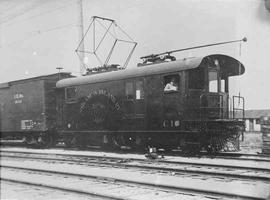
(139, 90)
(213, 81)
(70, 93)
(171, 83)
(129, 90)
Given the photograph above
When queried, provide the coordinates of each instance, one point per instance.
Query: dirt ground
(252, 142)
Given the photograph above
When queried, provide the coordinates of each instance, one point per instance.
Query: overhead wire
(22, 11)
(32, 17)
(36, 33)
(11, 7)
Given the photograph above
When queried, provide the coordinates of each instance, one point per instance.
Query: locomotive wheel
(69, 141)
(79, 142)
(110, 142)
(44, 141)
(216, 145)
(139, 144)
(29, 140)
(191, 148)
(233, 142)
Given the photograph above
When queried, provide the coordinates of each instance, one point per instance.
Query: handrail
(243, 106)
(220, 108)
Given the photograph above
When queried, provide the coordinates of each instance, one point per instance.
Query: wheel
(45, 140)
(216, 144)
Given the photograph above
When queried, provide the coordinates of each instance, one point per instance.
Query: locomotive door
(154, 103)
(134, 104)
(171, 100)
(135, 99)
(196, 84)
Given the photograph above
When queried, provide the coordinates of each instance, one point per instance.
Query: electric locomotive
(163, 102)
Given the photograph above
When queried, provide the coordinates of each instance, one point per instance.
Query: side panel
(3, 100)
(149, 110)
(50, 104)
(101, 93)
(154, 105)
(23, 107)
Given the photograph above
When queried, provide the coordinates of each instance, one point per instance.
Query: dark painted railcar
(28, 109)
(137, 107)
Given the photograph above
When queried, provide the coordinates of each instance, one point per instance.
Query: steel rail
(121, 180)
(124, 164)
(159, 161)
(64, 189)
(229, 155)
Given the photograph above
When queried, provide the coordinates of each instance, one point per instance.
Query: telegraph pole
(81, 32)
(59, 70)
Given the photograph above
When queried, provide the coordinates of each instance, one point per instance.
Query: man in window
(171, 86)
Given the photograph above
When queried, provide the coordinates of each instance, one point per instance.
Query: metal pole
(59, 70)
(196, 47)
(81, 34)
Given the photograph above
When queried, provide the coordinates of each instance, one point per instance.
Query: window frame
(132, 90)
(73, 98)
(142, 93)
(168, 77)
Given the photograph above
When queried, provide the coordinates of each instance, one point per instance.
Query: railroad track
(89, 185)
(253, 175)
(222, 155)
(111, 188)
(169, 167)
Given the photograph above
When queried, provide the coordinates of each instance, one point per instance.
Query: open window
(171, 83)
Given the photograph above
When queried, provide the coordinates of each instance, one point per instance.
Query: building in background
(252, 118)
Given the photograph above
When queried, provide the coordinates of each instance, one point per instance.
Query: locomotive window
(171, 83)
(222, 83)
(139, 90)
(213, 82)
(70, 93)
(129, 90)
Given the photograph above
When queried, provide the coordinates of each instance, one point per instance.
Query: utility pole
(81, 33)
(59, 70)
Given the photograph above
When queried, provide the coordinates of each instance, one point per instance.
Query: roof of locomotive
(234, 68)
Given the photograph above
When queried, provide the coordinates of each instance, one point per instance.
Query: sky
(37, 36)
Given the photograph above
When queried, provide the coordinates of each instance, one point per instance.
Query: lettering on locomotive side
(103, 93)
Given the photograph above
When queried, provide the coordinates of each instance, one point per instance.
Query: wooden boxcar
(28, 108)
(131, 107)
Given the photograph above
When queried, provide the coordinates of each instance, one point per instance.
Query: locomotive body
(28, 109)
(138, 107)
